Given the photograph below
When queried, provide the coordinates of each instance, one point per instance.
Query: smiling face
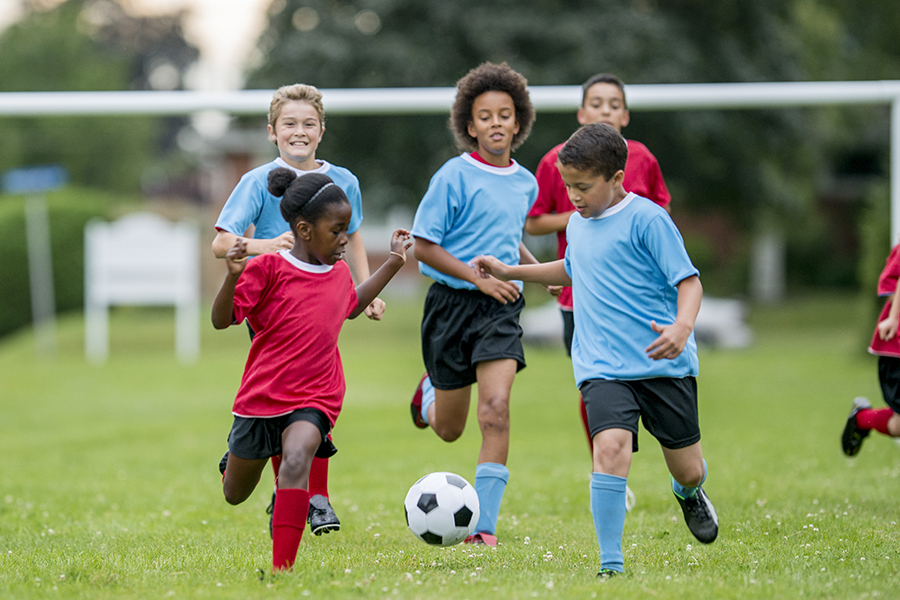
(297, 132)
(604, 103)
(591, 194)
(493, 126)
(325, 241)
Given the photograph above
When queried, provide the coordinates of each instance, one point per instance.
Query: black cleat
(223, 463)
(853, 436)
(700, 516)
(321, 516)
(270, 510)
(605, 574)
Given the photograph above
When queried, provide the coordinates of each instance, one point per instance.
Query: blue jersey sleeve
(665, 244)
(355, 198)
(243, 206)
(436, 211)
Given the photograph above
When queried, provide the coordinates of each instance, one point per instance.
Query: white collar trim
(617, 208)
(304, 266)
(512, 168)
(322, 168)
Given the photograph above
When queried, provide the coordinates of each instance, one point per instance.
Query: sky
(224, 30)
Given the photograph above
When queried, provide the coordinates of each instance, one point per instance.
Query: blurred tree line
(748, 168)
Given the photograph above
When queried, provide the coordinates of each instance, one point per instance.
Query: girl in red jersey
(293, 384)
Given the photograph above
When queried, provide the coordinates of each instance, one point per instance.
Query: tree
(90, 45)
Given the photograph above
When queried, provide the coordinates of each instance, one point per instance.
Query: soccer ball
(441, 509)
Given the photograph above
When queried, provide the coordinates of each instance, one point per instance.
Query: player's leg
(240, 477)
(300, 440)
(321, 518)
(613, 415)
(688, 471)
(242, 465)
(863, 418)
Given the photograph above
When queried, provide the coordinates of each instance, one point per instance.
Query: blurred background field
(110, 487)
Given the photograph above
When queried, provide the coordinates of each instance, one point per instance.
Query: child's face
(297, 133)
(604, 103)
(494, 123)
(325, 242)
(590, 193)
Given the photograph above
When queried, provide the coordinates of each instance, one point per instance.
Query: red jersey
(642, 176)
(887, 285)
(296, 311)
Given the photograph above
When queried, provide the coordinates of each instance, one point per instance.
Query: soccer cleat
(223, 463)
(607, 574)
(321, 516)
(270, 510)
(415, 407)
(481, 539)
(700, 516)
(853, 436)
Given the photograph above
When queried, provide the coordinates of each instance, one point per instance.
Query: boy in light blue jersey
(636, 297)
(476, 203)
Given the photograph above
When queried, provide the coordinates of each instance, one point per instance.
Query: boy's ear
(271, 131)
(618, 177)
(626, 118)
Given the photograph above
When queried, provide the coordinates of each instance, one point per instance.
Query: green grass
(109, 486)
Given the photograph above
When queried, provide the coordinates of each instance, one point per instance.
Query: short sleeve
(659, 193)
(665, 244)
(243, 206)
(567, 263)
(355, 198)
(550, 185)
(250, 287)
(434, 217)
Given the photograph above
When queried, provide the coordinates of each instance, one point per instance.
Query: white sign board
(141, 260)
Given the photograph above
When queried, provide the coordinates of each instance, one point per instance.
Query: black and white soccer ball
(441, 509)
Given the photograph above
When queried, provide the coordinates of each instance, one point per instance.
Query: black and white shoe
(853, 436)
(322, 518)
(223, 463)
(700, 516)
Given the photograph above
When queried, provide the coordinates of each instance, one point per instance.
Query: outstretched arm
(672, 338)
(358, 262)
(225, 240)
(223, 306)
(436, 257)
(551, 273)
(547, 223)
(371, 287)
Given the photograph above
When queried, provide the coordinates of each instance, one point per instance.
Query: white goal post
(375, 101)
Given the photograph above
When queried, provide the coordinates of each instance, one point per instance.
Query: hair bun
(279, 180)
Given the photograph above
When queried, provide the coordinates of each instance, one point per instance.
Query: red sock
(276, 464)
(288, 521)
(318, 477)
(584, 421)
(877, 419)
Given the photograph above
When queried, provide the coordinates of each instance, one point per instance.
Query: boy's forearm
(690, 294)
(547, 223)
(223, 305)
(551, 273)
(437, 258)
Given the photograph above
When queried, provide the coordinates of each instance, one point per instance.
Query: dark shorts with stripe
(253, 438)
(666, 406)
(461, 328)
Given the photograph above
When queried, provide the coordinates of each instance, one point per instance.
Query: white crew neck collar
(304, 266)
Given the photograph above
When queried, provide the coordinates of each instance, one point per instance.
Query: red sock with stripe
(288, 521)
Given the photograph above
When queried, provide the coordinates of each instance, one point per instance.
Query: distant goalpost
(767, 278)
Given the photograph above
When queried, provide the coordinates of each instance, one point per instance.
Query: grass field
(109, 486)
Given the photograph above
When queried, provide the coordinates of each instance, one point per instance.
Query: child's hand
(236, 258)
(887, 329)
(485, 266)
(501, 291)
(671, 341)
(375, 310)
(285, 241)
(555, 290)
(401, 241)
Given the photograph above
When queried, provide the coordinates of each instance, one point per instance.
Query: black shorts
(253, 438)
(889, 376)
(461, 328)
(666, 406)
(568, 318)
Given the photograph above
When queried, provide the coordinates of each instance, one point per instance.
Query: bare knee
(449, 431)
(609, 452)
(235, 497)
(294, 469)
(690, 475)
(493, 415)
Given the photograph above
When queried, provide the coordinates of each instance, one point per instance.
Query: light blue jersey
(473, 208)
(624, 266)
(251, 202)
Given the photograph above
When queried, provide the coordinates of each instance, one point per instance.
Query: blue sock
(608, 509)
(427, 397)
(686, 492)
(490, 483)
